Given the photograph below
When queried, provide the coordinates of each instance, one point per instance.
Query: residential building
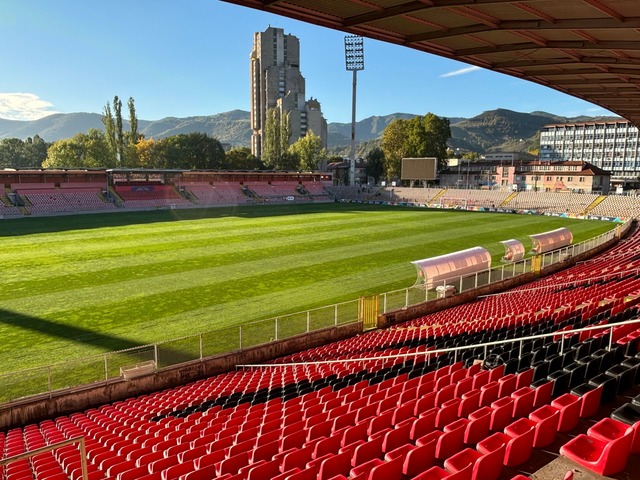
(578, 177)
(484, 174)
(570, 176)
(276, 82)
(613, 146)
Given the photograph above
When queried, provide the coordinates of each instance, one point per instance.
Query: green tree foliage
(117, 108)
(121, 143)
(309, 151)
(16, 153)
(375, 164)
(110, 132)
(83, 150)
(471, 156)
(241, 158)
(418, 137)
(275, 141)
(192, 151)
(134, 136)
(438, 133)
(394, 147)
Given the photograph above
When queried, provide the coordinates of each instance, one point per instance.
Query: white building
(612, 146)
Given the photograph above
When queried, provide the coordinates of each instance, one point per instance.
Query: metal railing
(51, 448)
(429, 354)
(108, 367)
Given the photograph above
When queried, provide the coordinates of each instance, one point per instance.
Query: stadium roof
(586, 48)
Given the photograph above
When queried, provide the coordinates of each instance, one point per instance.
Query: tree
(471, 156)
(121, 143)
(117, 108)
(275, 139)
(16, 153)
(192, 151)
(419, 137)
(110, 131)
(309, 151)
(149, 154)
(394, 147)
(438, 131)
(134, 136)
(241, 158)
(375, 164)
(83, 150)
(35, 151)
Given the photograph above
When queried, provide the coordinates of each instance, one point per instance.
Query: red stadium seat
(605, 457)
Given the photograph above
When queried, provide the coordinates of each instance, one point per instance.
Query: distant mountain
(491, 131)
(52, 127)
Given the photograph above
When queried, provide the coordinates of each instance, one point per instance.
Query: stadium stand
(218, 193)
(414, 195)
(275, 191)
(387, 404)
(46, 199)
(7, 209)
(552, 202)
(150, 196)
(318, 192)
(618, 206)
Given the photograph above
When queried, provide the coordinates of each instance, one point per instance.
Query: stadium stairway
(594, 204)
(509, 198)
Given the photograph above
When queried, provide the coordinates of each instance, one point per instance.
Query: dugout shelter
(552, 240)
(513, 250)
(432, 271)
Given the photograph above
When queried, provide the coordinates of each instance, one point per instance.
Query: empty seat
(546, 420)
(590, 399)
(568, 406)
(609, 386)
(605, 457)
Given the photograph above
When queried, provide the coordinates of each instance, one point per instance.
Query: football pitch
(79, 285)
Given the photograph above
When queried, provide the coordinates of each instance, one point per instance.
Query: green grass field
(75, 286)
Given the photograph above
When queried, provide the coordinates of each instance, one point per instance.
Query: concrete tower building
(276, 82)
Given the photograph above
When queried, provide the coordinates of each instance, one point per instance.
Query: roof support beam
(572, 45)
(566, 61)
(413, 7)
(516, 25)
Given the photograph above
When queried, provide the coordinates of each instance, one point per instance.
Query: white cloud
(23, 106)
(461, 71)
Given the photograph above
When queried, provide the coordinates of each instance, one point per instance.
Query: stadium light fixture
(354, 61)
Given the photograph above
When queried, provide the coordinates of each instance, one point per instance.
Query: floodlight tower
(354, 60)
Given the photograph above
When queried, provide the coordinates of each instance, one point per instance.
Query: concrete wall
(77, 399)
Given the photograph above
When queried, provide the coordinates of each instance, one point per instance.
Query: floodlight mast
(354, 61)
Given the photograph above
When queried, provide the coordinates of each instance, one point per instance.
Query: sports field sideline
(79, 285)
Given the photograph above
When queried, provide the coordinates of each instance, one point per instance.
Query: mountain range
(497, 130)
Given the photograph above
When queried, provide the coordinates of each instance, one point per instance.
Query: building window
(581, 179)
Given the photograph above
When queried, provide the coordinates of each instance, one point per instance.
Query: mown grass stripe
(71, 287)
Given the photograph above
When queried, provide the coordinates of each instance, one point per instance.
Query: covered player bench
(552, 240)
(433, 270)
(513, 250)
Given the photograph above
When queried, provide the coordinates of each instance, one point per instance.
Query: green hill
(491, 131)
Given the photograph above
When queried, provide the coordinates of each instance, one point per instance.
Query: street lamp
(354, 61)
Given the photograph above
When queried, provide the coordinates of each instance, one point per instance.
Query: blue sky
(180, 58)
